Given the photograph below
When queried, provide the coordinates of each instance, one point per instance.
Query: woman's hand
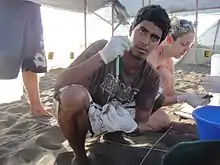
(211, 84)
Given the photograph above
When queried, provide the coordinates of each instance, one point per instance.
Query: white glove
(95, 119)
(116, 118)
(211, 84)
(113, 117)
(115, 47)
(194, 100)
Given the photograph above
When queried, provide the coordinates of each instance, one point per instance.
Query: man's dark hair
(155, 14)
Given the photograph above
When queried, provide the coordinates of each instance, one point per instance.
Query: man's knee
(159, 120)
(72, 110)
(74, 98)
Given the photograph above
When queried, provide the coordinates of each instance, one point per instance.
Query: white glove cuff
(181, 98)
(103, 57)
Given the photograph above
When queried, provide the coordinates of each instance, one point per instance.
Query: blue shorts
(34, 58)
(22, 35)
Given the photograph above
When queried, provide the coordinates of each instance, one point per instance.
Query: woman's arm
(167, 82)
(172, 97)
(166, 72)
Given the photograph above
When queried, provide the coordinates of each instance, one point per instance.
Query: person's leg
(159, 121)
(31, 85)
(34, 59)
(73, 120)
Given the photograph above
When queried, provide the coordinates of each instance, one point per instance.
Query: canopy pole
(196, 28)
(113, 18)
(196, 22)
(149, 2)
(85, 23)
(216, 34)
(142, 3)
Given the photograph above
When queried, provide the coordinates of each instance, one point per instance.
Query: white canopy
(171, 6)
(124, 9)
(132, 5)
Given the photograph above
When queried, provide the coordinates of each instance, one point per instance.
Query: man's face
(145, 37)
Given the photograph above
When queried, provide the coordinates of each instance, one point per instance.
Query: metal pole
(142, 3)
(113, 18)
(85, 23)
(149, 2)
(196, 28)
(216, 34)
(196, 22)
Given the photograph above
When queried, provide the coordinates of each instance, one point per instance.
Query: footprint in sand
(22, 125)
(4, 151)
(19, 109)
(64, 158)
(15, 131)
(28, 155)
(51, 139)
(46, 142)
(5, 123)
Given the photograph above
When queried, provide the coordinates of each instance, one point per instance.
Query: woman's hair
(180, 27)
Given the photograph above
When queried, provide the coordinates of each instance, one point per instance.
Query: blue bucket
(208, 122)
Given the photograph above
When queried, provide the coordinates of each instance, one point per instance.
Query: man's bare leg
(74, 121)
(31, 84)
(159, 121)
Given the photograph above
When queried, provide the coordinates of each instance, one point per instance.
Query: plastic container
(193, 153)
(11, 90)
(208, 122)
(215, 71)
(215, 64)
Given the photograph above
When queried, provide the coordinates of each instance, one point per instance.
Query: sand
(25, 140)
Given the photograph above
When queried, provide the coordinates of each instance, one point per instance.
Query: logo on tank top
(118, 90)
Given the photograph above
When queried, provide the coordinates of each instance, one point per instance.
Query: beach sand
(25, 140)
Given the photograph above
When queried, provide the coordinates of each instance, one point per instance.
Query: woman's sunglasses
(187, 24)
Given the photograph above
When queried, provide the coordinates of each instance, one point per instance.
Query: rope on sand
(154, 145)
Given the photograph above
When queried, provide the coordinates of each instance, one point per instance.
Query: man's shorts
(34, 58)
(95, 116)
(130, 106)
(25, 32)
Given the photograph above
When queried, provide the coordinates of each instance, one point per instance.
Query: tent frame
(113, 19)
(111, 23)
(216, 33)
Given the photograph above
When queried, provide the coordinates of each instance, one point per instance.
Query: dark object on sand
(193, 153)
(208, 96)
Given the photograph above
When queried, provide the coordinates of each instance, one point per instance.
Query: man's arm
(81, 72)
(146, 99)
(83, 67)
(89, 52)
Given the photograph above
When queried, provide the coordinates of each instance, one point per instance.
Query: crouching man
(90, 96)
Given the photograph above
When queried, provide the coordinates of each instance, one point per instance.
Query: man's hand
(115, 47)
(211, 84)
(194, 100)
